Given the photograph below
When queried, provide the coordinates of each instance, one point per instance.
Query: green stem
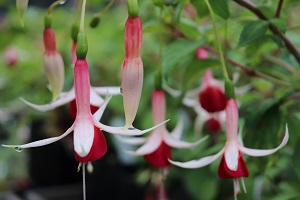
(77, 11)
(82, 16)
(56, 3)
(225, 72)
(105, 9)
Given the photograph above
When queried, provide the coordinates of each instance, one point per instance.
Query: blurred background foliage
(251, 49)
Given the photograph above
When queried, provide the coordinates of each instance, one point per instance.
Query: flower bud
(133, 38)
(53, 63)
(132, 83)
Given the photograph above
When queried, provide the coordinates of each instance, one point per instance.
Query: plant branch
(288, 44)
(279, 7)
(249, 71)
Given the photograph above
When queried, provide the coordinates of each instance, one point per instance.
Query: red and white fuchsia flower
(53, 63)
(89, 142)
(157, 146)
(132, 69)
(232, 164)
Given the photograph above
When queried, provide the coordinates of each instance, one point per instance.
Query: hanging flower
(53, 63)
(89, 142)
(232, 164)
(69, 97)
(132, 69)
(11, 56)
(157, 146)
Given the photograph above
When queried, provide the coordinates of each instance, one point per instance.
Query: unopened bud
(95, 22)
(82, 46)
(133, 8)
(74, 32)
(229, 89)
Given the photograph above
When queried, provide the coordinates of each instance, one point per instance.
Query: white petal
(64, 98)
(41, 142)
(173, 142)
(95, 99)
(265, 152)
(171, 91)
(177, 131)
(83, 136)
(98, 114)
(131, 140)
(107, 90)
(232, 155)
(200, 162)
(150, 146)
(121, 131)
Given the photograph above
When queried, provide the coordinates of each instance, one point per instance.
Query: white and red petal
(98, 149)
(159, 158)
(241, 170)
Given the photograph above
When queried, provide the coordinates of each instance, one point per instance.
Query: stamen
(79, 165)
(162, 185)
(243, 184)
(83, 181)
(236, 188)
(90, 167)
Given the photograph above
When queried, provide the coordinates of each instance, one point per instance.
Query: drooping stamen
(236, 188)
(79, 166)
(243, 184)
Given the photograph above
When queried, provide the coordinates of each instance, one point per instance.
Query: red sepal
(159, 158)
(212, 99)
(98, 149)
(225, 172)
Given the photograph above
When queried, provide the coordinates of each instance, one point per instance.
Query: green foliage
(253, 31)
(220, 8)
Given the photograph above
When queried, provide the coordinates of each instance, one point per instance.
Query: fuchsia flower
(157, 146)
(65, 97)
(212, 96)
(132, 69)
(201, 53)
(89, 142)
(208, 101)
(232, 164)
(53, 63)
(11, 56)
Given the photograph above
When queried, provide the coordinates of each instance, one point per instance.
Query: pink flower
(232, 164)
(53, 63)
(201, 53)
(89, 142)
(132, 69)
(11, 56)
(157, 146)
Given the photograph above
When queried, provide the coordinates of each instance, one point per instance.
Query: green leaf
(279, 23)
(195, 70)
(220, 7)
(253, 31)
(189, 28)
(178, 51)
